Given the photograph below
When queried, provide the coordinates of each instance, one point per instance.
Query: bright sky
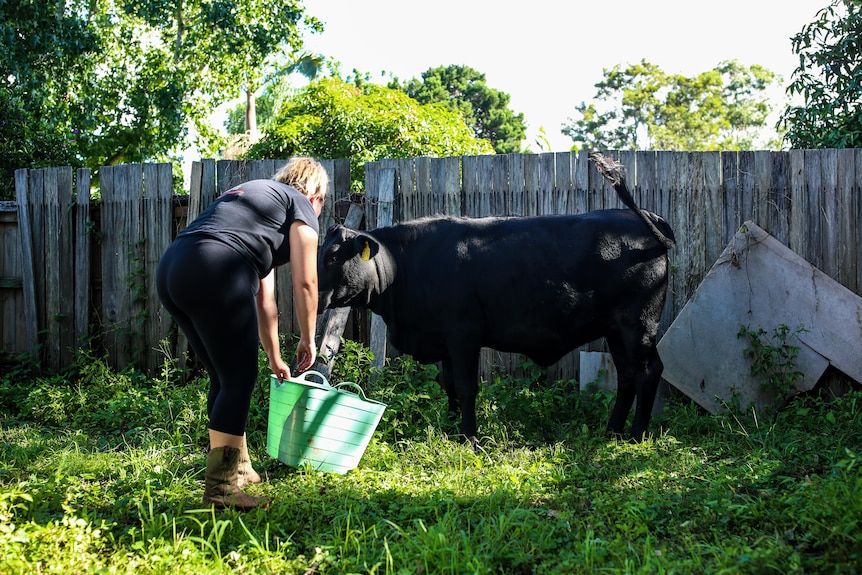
(549, 54)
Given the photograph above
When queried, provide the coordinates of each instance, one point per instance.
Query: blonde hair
(304, 174)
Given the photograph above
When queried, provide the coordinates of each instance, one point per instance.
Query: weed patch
(102, 472)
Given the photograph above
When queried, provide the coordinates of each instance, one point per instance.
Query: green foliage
(773, 360)
(27, 140)
(829, 79)
(176, 62)
(331, 118)
(235, 122)
(42, 54)
(545, 494)
(276, 89)
(645, 108)
(485, 109)
(89, 396)
(122, 81)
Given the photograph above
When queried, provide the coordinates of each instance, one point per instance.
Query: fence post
(385, 201)
(83, 258)
(29, 280)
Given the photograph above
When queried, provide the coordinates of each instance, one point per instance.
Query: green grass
(101, 472)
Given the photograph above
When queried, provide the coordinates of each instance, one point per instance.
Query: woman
(217, 280)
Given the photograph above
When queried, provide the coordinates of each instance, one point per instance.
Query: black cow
(539, 286)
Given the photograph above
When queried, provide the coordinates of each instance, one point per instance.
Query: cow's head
(346, 272)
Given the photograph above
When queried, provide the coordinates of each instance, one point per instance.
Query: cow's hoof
(477, 448)
(639, 437)
(470, 440)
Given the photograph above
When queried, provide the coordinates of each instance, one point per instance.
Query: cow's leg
(464, 360)
(625, 395)
(646, 386)
(447, 382)
(638, 372)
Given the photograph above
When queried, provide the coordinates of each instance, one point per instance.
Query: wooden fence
(87, 274)
(75, 274)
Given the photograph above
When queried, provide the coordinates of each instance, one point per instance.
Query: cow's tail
(615, 173)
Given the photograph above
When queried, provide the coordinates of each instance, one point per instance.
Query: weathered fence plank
(748, 208)
(407, 202)
(499, 178)
(845, 229)
(158, 208)
(83, 259)
(712, 212)
(517, 185)
(580, 186)
(777, 202)
(828, 213)
(814, 244)
(116, 303)
(37, 231)
(730, 179)
(385, 199)
(12, 322)
(470, 183)
(29, 263)
(484, 186)
(856, 191)
(423, 205)
(798, 234)
(62, 308)
(696, 196)
(562, 184)
(51, 241)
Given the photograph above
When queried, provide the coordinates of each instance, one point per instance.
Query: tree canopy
(331, 118)
(640, 106)
(485, 109)
(122, 81)
(275, 89)
(829, 79)
(42, 52)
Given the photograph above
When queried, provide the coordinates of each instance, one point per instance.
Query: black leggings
(210, 289)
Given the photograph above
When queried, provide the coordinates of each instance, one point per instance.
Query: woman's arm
(303, 268)
(267, 318)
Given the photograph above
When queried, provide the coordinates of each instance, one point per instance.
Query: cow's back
(539, 285)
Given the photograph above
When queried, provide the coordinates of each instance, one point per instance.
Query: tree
(331, 118)
(275, 89)
(485, 109)
(179, 59)
(724, 108)
(42, 52)
(829, 79)
(26, 140)
(130, 77)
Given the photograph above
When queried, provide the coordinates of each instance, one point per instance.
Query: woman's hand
(305, 354)
(279, 368)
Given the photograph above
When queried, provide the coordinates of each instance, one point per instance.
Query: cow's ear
(366, 247)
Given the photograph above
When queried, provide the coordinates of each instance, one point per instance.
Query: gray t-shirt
(254, 218)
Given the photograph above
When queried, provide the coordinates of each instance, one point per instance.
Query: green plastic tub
(314, 424)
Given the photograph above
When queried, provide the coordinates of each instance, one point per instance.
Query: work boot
(222, 488)
(246, 474)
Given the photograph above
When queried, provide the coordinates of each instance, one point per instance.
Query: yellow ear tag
(366, 253)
